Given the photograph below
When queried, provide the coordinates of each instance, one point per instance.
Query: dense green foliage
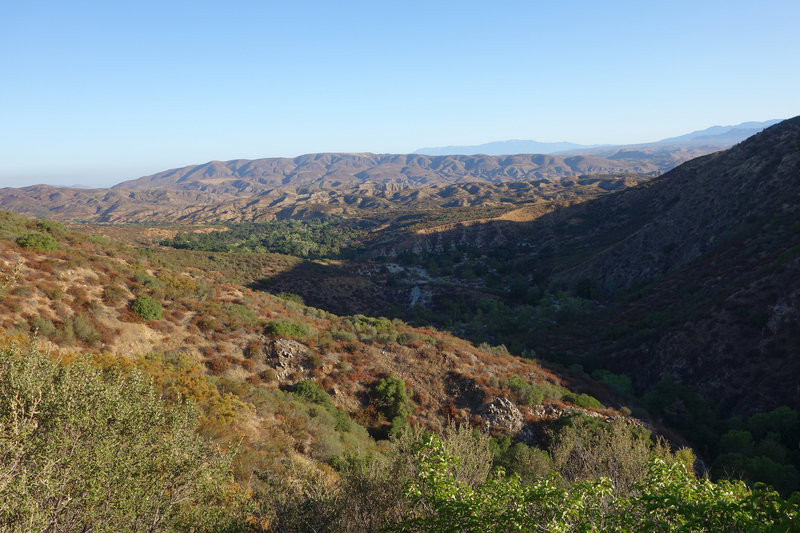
(147, 307)
(668, 499)
(764, 447)
(87, 451)
(308, 238)
(38, 241)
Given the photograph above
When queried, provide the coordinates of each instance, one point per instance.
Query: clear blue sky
(99, 92)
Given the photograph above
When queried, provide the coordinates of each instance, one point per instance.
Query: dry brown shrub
(52, 291)
(45, 266)
(208, 351)
(269, 376)
(13, 303)
(107, 334)
(162, 326)
(79, 294)
(204, 322)
(254, 349)
(248, 364)
(218, 366)
(450, 411)
(328, 382)
(349, 347)
(314, 361)
(254, 379)
(422, 398)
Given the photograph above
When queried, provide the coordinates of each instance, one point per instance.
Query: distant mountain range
(505, 148)
(719, 136)
(337, 183)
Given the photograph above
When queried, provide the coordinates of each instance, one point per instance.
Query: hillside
(76, 292)
(123, 206)
(687, 285)
(306, 394)
(710, 248)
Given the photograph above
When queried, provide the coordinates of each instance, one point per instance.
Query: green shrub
(51, 226)
(147, 307)
(387, 337)
(84, 450)
(343, 335)
(309, 390)
(37, 241)
(291, 297)
(239, 315)
(44, 327)
(312, 392)
(281, 328)
(583, 400)
(99, 239)
(616, 383)
(84, 330)
(11, 224)
(409, 337)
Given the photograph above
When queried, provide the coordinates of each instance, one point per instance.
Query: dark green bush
(391, 398)
(37, 241)
(147, 307)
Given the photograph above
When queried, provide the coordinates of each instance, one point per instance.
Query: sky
(95, 93)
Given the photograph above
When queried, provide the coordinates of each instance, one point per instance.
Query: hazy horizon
(98, 93)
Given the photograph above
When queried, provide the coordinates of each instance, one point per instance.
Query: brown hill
(324, 184)
(347, 200)
(249, 177)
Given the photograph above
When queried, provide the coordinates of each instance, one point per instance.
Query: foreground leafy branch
(670, 499)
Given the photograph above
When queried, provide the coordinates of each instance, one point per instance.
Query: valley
(330, 313)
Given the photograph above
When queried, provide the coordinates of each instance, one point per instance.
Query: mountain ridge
(730, 135)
